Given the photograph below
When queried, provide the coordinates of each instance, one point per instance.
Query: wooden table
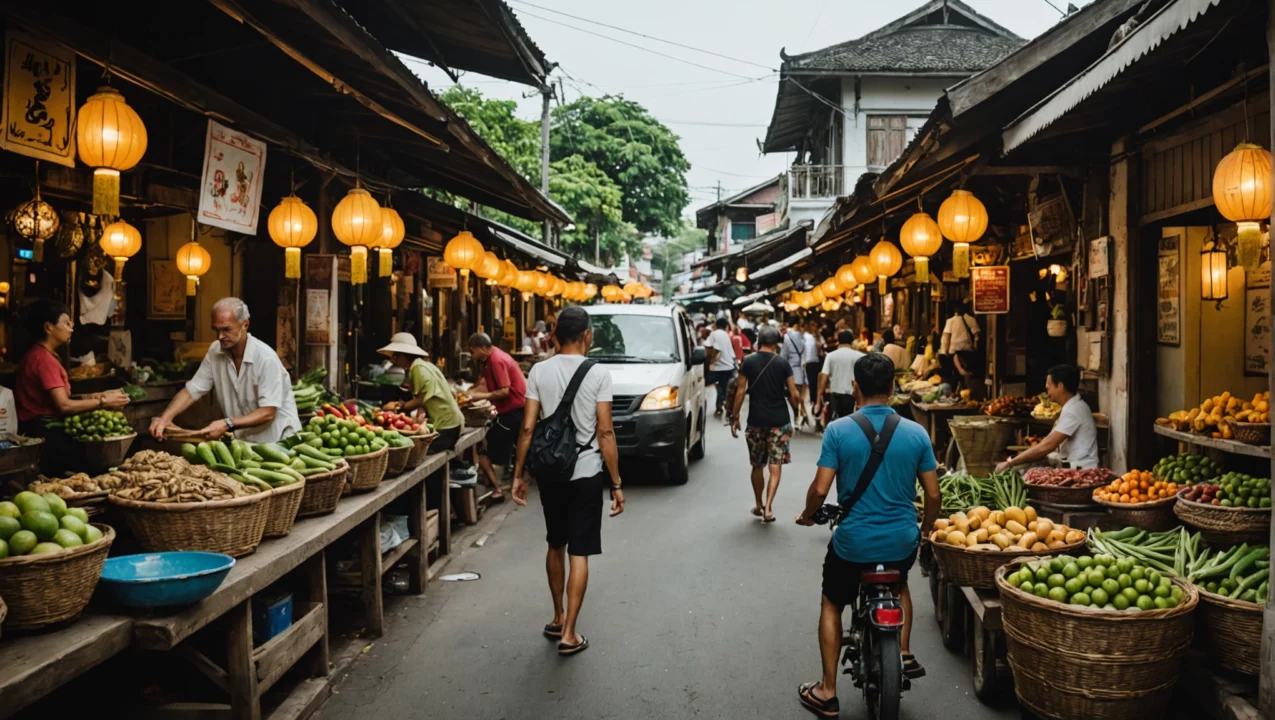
(934, 416)
(32, 666)
(1194, 441)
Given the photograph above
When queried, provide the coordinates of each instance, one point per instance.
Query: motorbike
(870, 645)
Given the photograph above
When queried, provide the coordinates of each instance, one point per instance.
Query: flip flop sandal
(830, 708)
(756, 512)
(553, 632)
(564, 649)
(768, 518)
(911, 668)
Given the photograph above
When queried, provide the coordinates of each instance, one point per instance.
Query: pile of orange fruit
(1134, 487)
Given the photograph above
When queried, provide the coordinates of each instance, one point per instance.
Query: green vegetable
(205, 452)
(223, 468)
(134, 392)
(190, 454)
(222, 452)
(273, 452)
(272, 477)
(1241, 568)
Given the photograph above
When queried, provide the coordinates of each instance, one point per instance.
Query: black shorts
(841, 577)
(812, 373)
(446, 440)
(573, 513)
(502, 436)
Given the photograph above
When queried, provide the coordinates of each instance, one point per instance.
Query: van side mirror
(698, 356)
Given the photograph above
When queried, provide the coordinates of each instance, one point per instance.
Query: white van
(657, 376)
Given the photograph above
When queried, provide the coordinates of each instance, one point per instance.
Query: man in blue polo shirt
(880, 528)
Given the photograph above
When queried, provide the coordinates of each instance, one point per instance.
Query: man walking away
(793, 351)
(879, 527)
(960, 342)
(767, 379)
(572, 506)
(721, 362)
(836, 382)
(503, 384)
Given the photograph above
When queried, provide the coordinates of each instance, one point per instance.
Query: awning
(1170, 19)
(534, 251)
(782, 264)
(746, 299)
(689, 297)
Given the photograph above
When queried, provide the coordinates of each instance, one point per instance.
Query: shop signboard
(990, 289)
(1169, 307)
(38, 114)
(1257, 326)
(440, 275)
(1099, 257)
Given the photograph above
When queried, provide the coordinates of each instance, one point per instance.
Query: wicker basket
(1230, 632)
(1150, 516)
(982, 441)
(281, 509)
(1252, 433)
(20, 456)
(1053, 495)
(366, 471)
(4, 610)
(100, 455)
(323, 491)
(232, 527)
(1225, 526)
(52, 587)
(977, 569)
(420, 448)
(1081, 662)
(396, 461)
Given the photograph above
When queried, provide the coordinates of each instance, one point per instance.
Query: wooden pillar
(316, 580)
(418, 557)
(1266, 680)
(241, 671)
(370, 566)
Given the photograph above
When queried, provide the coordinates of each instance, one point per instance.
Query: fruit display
(1241, 573)
(395, 421)
(76, 485)
(1067, 477)
(1100, 581)
(33, 524)
(1046, 409)
(154, 476)
(1009, 406)
(1012, 530)
(1136, 487)
(308, 392)
(1215, 415)
(1186, 469)
(1237, 490)
(340, 437)
(97, 425)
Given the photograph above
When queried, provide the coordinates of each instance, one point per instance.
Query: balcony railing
(816, 181)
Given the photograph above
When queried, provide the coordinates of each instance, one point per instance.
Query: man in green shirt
(429, 389)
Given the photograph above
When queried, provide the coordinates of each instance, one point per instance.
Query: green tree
(517, 141)
(669, 253)
(635, 150)
(594, 200)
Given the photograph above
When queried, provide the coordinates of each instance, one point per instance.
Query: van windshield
(633, 338)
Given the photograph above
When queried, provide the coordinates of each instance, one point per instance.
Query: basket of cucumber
(282, 507)
(1233, 588)
(322, 492)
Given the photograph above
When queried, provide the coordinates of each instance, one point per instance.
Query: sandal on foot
(564, 649)
(756, 511)
(830, 708)
(553, 632)
(911, 668)
(768, 517)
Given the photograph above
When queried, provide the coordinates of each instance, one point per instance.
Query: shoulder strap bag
(553, 453)
(879, 444)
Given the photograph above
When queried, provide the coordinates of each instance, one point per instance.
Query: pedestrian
(836, 381)
(767, 379)
(876, 490)
(892, 349)
(503, 384)
(429, 388)
(960, 343)
(743, 323)
(793, 350)
(573, 505)
(721, 363)
(810, 357)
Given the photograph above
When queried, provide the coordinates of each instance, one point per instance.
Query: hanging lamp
(487, 267)
(35, 220)
(508, 274)
(1242, 193)
(846, 277)
(292, 225)
(831, 287)
(886, 261)
(921, 238)
(111, 138)
(356, 222)
(963, 220)
(193, 261)
(863, 271)
(392, 233)
(120, 241)
(526, 283)
(1213, 272)
(590, 291)
(463, 252)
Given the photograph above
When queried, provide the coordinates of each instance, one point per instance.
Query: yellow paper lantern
(543, 283)
(863, 272)
(356, 222)
(846, 277)
(590, 291)
(921, 238)
(488, 267)
(831, 287)
(609, 291)
(508, 274)
(292, 225)
(110, 138)
(805, 300)
(526, 283)
(963, 220)
(816, 295)
(463, 252)
(392, 233)
(886, 261)
(120, 241)
(192, 261)
(1242, 193)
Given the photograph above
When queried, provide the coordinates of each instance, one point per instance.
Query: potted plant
(1056, 325)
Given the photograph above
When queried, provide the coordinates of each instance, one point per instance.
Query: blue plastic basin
(166, 579)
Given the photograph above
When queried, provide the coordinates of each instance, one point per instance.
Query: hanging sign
(234, 167)
(439, 275)
(1169, 309)
(990, 289)
(38, 115)
(1099, 257)
(1257, 327)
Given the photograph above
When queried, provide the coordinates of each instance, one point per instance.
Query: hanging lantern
(846, 277)
(1242, 193)
(886, 261)
(805, 300)
(863, 271)
(392, 233)
(1213, 270)
(963, 220)
(292, 225)
(508, 274)
(110, 138)
(120, 241)
(590, 291)
(921, 238)
(488, 266)
(36, 221)
(463, 252)
(526, 283)
(816, 295)
(542, 284)
(609, 291)
(193, 261)
(741, 274)
(356, 222)
(831, 287)
(559, 287)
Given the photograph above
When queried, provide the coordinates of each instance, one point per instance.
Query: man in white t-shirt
(572, 509)
(836, 381)
(960, 342)
(1075, 436)
(743, 323)
(721, 363)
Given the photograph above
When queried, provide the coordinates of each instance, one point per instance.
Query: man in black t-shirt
(768, 379)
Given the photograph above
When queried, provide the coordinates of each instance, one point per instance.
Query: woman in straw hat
(429, 389)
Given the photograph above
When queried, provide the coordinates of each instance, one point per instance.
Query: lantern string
(1244, 74)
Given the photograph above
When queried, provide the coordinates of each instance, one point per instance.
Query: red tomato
(399, 424)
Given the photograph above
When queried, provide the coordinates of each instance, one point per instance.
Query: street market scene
(870, 360)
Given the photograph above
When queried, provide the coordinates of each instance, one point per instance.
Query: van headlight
(661, 398)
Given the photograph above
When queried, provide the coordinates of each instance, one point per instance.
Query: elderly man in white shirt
(252, 386)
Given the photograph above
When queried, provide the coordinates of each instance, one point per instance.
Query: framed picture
(1257, 330)
(167, 291)
(234, 165)
(1169, 303)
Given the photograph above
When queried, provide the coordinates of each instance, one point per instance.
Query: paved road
(695, 609)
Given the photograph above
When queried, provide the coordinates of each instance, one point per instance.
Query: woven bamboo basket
(982, 441)
(281, 509)
(232, 527)
(323, 491)
(4, 610)
(1225, 526)
(25, 453)
(366, 471)
(1252, 433)
(1052, 495)
(420, 448)
(52, 587)
(1082, 662)
(1150, 516)
(99, 455)
(1230, 632)
(396, 460)
(977, 568)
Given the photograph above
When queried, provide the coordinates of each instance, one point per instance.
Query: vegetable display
(97, 425)
(347, 437)
(1136, 487)
(395, 421)
(264, 465)
(155, 476)
(1170, 551)
(308, 392)
(1067, 477)
(1009, 406)
(134, 392)
(1239, 490)
(959, 490)
(1186, 469)
(1012, 530)
(77, 484)
(34, 524)
(1241, 573)
(1101, 581)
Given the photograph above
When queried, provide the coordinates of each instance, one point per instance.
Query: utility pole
(719, 191)
(546, 92)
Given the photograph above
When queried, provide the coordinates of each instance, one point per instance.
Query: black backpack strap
(569, 397)
(879, 444)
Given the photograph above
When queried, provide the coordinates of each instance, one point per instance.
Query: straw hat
(403, 343)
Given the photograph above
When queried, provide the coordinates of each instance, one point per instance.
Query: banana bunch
(1216, 415)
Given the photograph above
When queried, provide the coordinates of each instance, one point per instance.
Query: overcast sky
(720, 110)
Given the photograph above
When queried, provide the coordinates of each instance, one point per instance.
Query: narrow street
(695, 609)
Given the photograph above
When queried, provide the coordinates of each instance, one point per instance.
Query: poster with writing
(317, 317)
(234, 166)
(38, 114)
(1169, 305)
(1257, 330)
(1099, 257)
(990, 289)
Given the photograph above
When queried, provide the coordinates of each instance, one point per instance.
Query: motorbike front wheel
(887, 663)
